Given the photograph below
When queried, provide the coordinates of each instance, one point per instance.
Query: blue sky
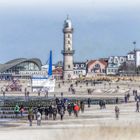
(102, 28)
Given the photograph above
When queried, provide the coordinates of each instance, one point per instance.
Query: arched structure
(21, 64)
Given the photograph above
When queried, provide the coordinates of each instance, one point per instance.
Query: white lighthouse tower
(67, 51)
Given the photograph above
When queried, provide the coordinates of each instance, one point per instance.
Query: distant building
(96, 67)
(79, 69)
(58, 73)
(131, 56)
(114, 62)
(137, 56)
(132, 64)
(21, 68)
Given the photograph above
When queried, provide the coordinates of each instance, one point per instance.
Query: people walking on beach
(117, 112)
(30, 116)
(38, 118)
(137, 106)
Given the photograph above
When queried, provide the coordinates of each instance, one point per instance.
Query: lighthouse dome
(67, 23)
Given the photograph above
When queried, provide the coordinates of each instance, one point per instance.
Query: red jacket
(76, 108)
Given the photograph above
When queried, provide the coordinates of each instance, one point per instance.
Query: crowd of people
(55, 110)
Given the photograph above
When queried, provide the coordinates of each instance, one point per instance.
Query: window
(97, 66)
(68, 35)
(68, 42)
(68, 66)
(82, 65)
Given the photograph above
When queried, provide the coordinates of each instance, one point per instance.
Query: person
(61, 112)
(69, 108)
(82, 106)
(117, 100)
(76, 110)
(3, 95)
(38, 118)
(39, 93)
(137, 106)
(61, 94)
(16, 110)
(117, 112)
(125, 98)
(54, 112)
(21, 110)
(46, 93)
(59, 85)
(89, 102)
(50, 111)
(46, 110)
(101, 104)
(30, 116)
(128, 96)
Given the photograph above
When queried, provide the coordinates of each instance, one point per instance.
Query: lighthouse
(67, 51)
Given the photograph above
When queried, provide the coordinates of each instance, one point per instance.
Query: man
(30, 116)
(16, 110)
(137, 106)
(89, 101)
(38, 118)
(54, 112)
(82, 106)
(61, 112)
(117, 112)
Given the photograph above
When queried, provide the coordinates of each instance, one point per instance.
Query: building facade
(20, 67)
(79, 69)
(96, 67)
(114, 62)
(67, 51)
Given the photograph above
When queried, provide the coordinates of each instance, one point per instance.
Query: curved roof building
(21, 64)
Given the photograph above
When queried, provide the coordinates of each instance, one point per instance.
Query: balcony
(68, 52)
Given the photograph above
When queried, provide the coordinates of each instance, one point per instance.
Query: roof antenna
(134, 45)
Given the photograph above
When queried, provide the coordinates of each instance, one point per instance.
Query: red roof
(101, 61)
(58, 70)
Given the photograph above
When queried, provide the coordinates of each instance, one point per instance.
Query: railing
(68, 51)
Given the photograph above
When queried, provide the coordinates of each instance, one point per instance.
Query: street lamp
(134, 43)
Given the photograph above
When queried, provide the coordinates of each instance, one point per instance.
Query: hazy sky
(30, 28)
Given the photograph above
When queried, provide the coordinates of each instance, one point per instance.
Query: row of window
(78, 72)
(25, 66)
(79, 65)
(112, 70)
